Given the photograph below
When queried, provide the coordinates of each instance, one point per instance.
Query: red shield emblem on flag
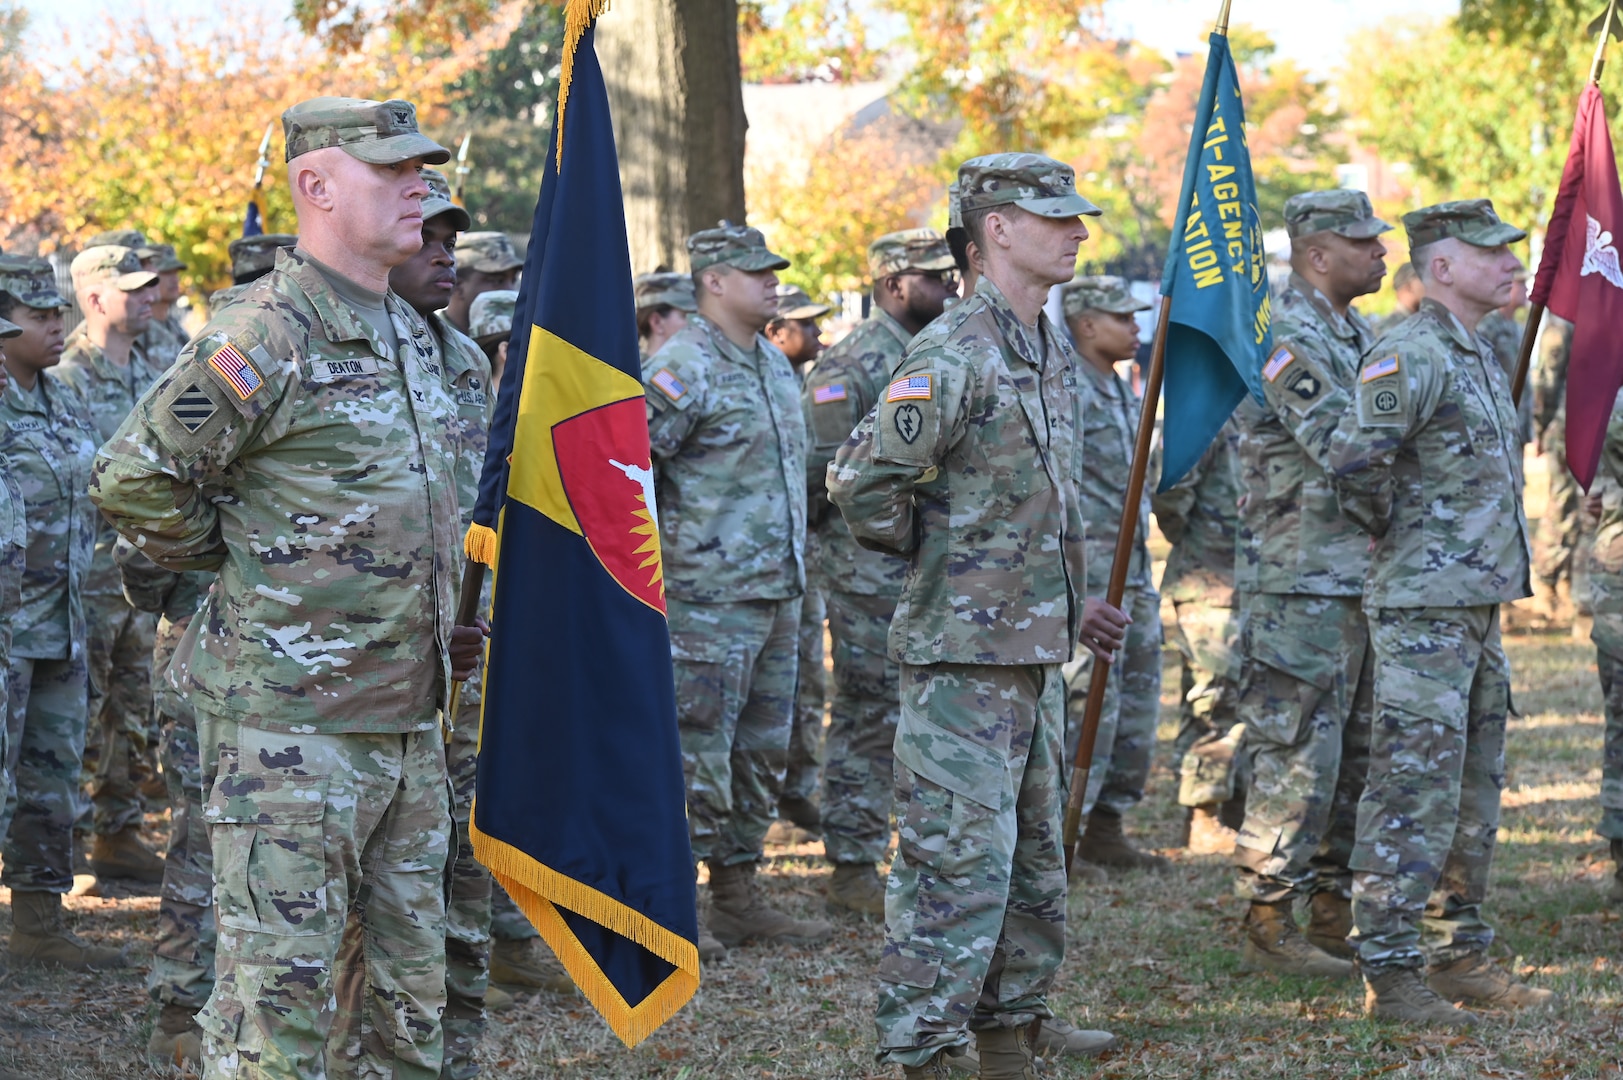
(608, 477)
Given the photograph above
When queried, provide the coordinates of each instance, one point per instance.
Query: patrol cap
(910, 249)
(110, 262)
(486, 252)
(255, 255)
(793, 303)
(490, 318)
(130, 238)
(438, 201)
(9, 329)
(1341, 211)
(31, 282)
(738, 246)
(955, 207)
(376, 132)
(162, 256)
(1032, 182)
(1471, 220)
(1100, 292)
(664, 287)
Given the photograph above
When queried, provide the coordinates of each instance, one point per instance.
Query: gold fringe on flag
(480, 544)
(578, 15)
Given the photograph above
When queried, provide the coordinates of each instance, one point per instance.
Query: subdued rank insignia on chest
(1304, 384)
(909, 421)
(1278, 362)
(192, 408)
(668, 384)
(828, 395)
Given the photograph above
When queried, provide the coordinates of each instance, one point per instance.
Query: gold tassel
(480, 544)
(578, 15)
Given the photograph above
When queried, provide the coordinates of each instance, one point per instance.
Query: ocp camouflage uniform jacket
(1200, 517)
(975, 483)
(1109, 425)
(49, 441)
(843, 387)
(1425, 458)
(729, 448)
(293, 451)
(1606, 560)
(1293, 536)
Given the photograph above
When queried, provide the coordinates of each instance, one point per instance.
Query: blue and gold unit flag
(1219, 328)
(579, 809)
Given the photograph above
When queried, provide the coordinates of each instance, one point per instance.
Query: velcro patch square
(669, 384)
(1380, 369)
(237, 370)
(910, 388)
(1278, 362)
(827, 395)
(192, 408)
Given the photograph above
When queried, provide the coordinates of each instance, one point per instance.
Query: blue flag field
(580, 809)
(1219, 327)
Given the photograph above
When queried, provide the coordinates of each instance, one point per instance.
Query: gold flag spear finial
(1223, 19)
(1606, 26)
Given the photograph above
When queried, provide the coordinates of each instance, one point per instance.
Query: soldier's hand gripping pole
(1118, 580)
(467, 614)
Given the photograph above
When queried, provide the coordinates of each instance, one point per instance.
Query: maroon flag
(1580, 278)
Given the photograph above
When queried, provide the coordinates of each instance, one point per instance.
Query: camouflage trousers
(121, 742)
(1429, 817)
(1211, 764)
(45, 740)
(1555, 548)
(467, 910)
(1608, 637)
(330, 856)
(859, 774)
(507, 922)
(1125, 744)
(735, 704)
(183, 954)
(975, 903)
(804, 774)
(1306, 698)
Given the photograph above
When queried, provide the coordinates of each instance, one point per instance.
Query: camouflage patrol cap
(955, 207)
(487, 252)
(438, 201)
(253, 255)
(9, 329)
(1342, 211)
(665, 287)
(490, 318)
(1471, 220)
(793, 303)
(910, 249)
(130, 238)
(31, 282)
(162, 258)
(1032, 182)
(1101, 292)
(110, 262)
(376, 132)
(738, 246)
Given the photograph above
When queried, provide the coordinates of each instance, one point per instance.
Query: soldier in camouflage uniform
(1564, 534)
(485, 261)
(1200, 517)
(794, 331)
(913, 275)
(1099, 314)
(967, 467)
(728, 443)
(106, 364)
(252, 257)
(163, 338)
(13, 559)
(490, 324)
(664, 302)
(316, 414)
(1606, 583)
(1305, 695)
(1425, 459)
(47, 439)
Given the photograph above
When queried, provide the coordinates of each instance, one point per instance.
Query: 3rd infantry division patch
(192, 408)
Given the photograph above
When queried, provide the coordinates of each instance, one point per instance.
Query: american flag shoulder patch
(1380, 369)
(910, 388)
(669, 384)
(237, 370)
(1277, 363)
(825, 395)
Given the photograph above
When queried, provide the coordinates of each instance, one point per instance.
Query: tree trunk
(675, 90)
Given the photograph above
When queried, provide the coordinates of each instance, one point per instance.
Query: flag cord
(578, 16)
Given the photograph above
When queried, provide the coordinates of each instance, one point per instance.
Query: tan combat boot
(498, 1000)
(739, 913)
(1615, 893)
(1006, 1054)
(529, 964)
(1477, 980)
(176, 1041)
(1085, 873)
(1273, 943)
(122, 855)
(1401, 994)
(1329, 923)
(1061, 1037)
(1207, 833)
(1104, 844)
(856, 887)
(40, 936)
(709, 948)
(934, 1069)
